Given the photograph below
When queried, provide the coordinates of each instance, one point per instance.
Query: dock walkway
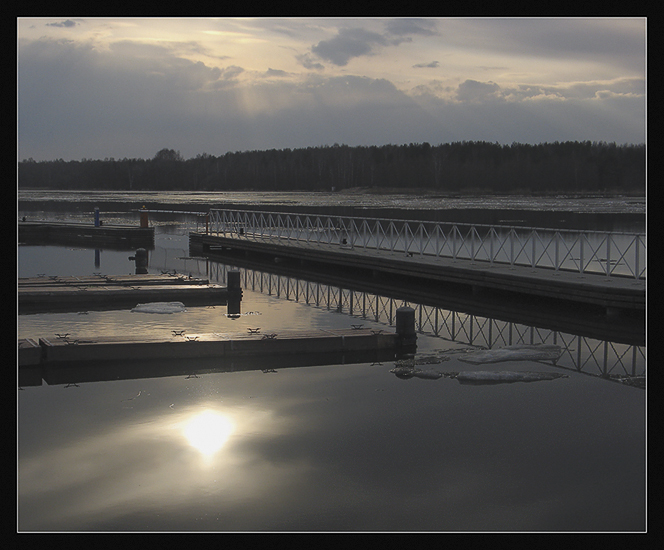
(57, 360)
(43, 294)
(612, 293)
(124, 237)
(59, 351)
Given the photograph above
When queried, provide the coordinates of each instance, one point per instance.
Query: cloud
(348, 43)
(67, 23)
(474, 92)
(431, 65)
(84, 99)
(77, 102)
(355, 42)
(426, 27)
(616, 41)
(308, 63)
(276, 72)
(228, 78)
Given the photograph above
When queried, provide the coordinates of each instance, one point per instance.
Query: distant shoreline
(386, 191)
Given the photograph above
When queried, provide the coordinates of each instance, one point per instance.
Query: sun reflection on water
(208, 432)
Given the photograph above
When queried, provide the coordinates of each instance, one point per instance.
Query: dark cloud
(67, 23)
(431, 65)
(348, 43)
(276, 72)
(306, 61)
(355, 42)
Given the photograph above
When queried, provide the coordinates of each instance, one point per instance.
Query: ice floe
(505, 377)
(405, 372)
(539, 352)
(159, 307)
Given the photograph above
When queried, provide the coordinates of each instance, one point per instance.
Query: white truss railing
(605, 253)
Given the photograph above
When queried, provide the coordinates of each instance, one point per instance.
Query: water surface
(339, 447)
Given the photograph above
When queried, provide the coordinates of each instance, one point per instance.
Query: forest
(469, 166)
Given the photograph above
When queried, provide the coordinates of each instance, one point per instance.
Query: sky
(98, 88)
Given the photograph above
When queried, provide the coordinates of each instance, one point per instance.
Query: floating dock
(66, 349)
(65, 358)
(61, 359)
(122, 237)
(45, 294)
(613, 294)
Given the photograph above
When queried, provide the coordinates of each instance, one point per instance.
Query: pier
(61, 359)
(47, 294)
(607, 273)
(66, 349)
(121, 237)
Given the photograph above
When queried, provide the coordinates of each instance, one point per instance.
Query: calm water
(342, 447)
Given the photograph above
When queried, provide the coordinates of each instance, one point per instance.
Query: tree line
(468, 166)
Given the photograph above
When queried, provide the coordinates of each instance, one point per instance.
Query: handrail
(619, 254)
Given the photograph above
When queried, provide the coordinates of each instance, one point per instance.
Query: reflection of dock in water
(601, 351)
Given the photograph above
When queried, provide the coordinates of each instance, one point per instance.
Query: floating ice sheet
(505, 377)
(538, 352)
(159, 307)
(405, 372)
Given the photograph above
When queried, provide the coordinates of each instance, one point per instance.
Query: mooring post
(97, 222)
(144, 217)
(405, 327)
(141, 259)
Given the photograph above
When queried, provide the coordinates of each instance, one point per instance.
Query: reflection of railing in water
(582, 354)
(610, 254)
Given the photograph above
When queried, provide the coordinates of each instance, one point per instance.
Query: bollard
(97, 222)
(144, 217)
(141, 259)
(405, 327)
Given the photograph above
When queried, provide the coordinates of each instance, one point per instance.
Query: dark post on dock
(141, 259)
(144, 217)
(405, 328)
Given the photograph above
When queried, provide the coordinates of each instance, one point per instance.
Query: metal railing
(606, 253)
